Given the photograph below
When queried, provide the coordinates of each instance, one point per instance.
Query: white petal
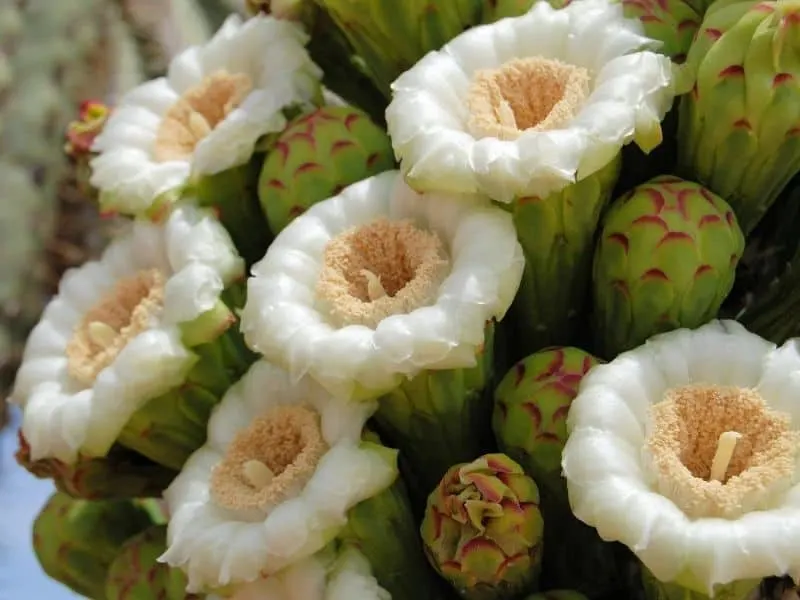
(217, 547)
(189, 293)
(427, 118)
(194, 236)
(780, 381)
(151, 364)
(282, 321)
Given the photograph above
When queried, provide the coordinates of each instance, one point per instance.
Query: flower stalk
(557, 236)
(440, 417)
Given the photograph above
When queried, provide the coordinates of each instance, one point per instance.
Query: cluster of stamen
(121, 314)
(270, 460)
(380, 269)
(536, 93)
(197, 112)
(720, 451)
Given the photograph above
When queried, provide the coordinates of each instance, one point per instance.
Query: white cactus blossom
(111, 339)
(329, 575)
(528, 105)
(206, 115)
(380, 283)
(282, 466)
(685, 450)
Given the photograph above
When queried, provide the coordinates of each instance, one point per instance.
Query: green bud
(482, 529)
(77, 540)
(317, 156)
(666, 258)
(531, 407)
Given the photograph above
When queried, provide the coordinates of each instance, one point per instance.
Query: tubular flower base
(658, 590)
(686, 450)
(530, 412)
(383, 292)
(482, 529)
(283, 465)
(76, 540)
(672, 22)
(390, 37)
(316, 157)
(122, 473)
(557, 235)
(394, 549)
(135, 347)
(739, 129)
(136, 573)
(338, 572)
(205, 116)
(666, 258)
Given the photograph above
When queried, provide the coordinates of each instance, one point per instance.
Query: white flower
(111, 340)
(525, 106)
(380, 283)
(324, 576)
(282, 466)
(646, 461)
(206, 115)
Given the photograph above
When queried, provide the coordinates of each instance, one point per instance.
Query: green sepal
(392, 37)
(170, 427)
(687, 587)
(136, 574)
(207, 326)
(439, 418)
(384, 530)
(76, 541)
(557, 237)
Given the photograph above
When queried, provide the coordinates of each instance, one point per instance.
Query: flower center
(197, 112)
(380, 269)
(270, 460)
(120, 315)
(720, 451)
(534, 93)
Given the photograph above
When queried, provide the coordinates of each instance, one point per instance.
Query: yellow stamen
(536, 93)
(197, 112)
(380, 269)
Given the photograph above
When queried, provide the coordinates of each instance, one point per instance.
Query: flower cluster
(448, 334)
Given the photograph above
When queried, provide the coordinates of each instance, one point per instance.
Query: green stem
(771, 315)
(440, 418)
(384, 530)
(233, 195)
(746, 589)
(342, 73)
(557, 234)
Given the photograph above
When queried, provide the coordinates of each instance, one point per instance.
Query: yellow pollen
(120, 315)
(536, 93)
(380, 269)
(270, 460)
(720, 451)
(197, 112)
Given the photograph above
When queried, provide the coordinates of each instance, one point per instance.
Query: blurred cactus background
(54, 54)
